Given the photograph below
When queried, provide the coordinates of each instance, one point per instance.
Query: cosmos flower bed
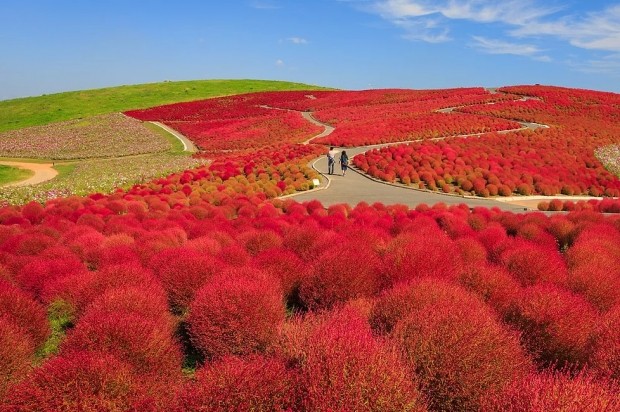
(111, 135)
(564, 158)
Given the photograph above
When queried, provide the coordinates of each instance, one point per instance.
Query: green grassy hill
(35, 111)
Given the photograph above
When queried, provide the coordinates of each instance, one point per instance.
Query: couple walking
(331, 160)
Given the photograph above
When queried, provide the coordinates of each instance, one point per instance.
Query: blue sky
(50, 46)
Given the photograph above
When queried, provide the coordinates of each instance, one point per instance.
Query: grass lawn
(40, 110)
(10, 174)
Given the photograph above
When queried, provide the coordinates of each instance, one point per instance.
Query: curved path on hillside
(42, 172)
(357, 186)
(188, 145)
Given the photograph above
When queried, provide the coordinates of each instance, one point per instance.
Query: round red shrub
(254, 383)
(286, 266)
(143, 342)
(531, 264)
(606, 358)
(493, 284)
(427, 252)
(237, 312)
(19, 308)
(182, 271)
(343, 367)
(16, 352)
(557, 326)
(83, 381)
(459, 349)
(347, 270)
(554, 392)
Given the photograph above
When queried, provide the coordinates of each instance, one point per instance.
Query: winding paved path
(357, 186)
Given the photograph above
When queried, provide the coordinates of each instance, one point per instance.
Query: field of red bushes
(205, 291)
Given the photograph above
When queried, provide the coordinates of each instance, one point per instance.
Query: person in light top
(331, 160)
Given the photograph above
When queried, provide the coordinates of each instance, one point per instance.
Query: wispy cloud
(264, 5)
(297, 40)
(609, 65)
(495, 46)
(598, 30)
(280, 63)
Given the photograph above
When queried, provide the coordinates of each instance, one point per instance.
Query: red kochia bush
(237, 312)
(531, 264)
(144, 343)
(493, 284)
(348, 270)
(20, 309)
(425, 252)
(16, 351)
(182, 271)
(83, 381)
(284, 265)
(459, 349)
(554, 392)
(255, 383)
(344, 368)
(606, 359)
(558, 326)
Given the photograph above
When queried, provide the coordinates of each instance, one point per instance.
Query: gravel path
(42, 172)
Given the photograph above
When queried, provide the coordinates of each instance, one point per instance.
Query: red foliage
(457, 346)
(554, 392)
(143, 342)
(16, 352)
(606, 358)
(343, 367)
(347, 270)
(420, 254)
(558, 327)
(182, 271)
(23, 312)
(254, 383)
(237, 312)
(84, 381)
(531, 264)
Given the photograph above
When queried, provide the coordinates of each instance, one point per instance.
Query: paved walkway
(358, 187)
(188, 145)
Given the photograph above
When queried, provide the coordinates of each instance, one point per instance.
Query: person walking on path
(331, 160)
(344, 162)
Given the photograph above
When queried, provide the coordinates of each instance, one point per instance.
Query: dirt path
(42, 172)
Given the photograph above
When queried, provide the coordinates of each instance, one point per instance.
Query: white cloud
(598, 30)
(297, 40)
(609, 64)
(280, 63)
(495, 46)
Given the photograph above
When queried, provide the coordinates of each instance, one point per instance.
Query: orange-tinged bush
(555, 392)
(531, 264)
(457, 346)
(143, 342)
(237, 312)
(16, 353)
(557, 326)
(253, 383)
(25, 313)
(182, 271)
(347, 270)
(83, 381)
(343, 367)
